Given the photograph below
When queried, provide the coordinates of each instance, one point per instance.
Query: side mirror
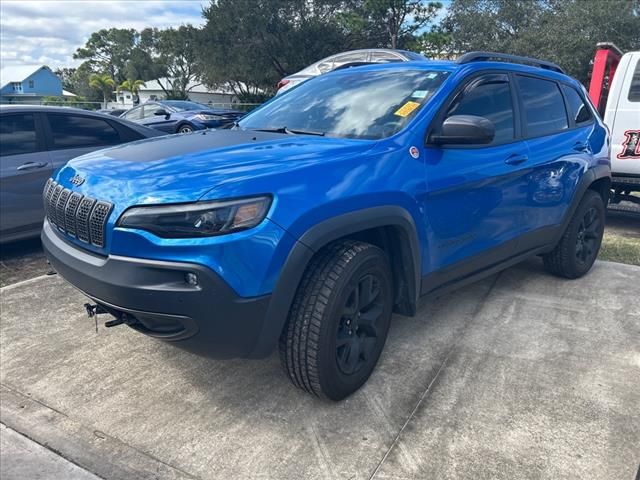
(162, 111)
(465, 130)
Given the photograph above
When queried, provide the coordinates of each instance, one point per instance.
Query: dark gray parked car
(35, 141)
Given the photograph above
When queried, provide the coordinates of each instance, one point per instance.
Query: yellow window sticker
(406, 109)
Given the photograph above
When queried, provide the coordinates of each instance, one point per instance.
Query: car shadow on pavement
(21, 260)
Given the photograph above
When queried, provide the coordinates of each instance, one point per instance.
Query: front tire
(185, 128)
(339, 320)
(579, 246)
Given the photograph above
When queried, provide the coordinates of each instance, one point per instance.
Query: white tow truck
(615, 91)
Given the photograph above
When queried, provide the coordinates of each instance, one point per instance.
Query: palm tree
(104, 83)
(132, 86)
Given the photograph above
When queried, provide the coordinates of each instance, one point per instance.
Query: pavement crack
(442, 366)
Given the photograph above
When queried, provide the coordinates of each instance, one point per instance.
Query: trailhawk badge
(77, 180)
(414, 152)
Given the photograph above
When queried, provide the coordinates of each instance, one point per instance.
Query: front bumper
(209, 318)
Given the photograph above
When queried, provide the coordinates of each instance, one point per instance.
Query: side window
(491, 100)
(74, 131)
(327, 65)
(634, 90)
(150, 110)
(544, 111)
(578, 110)
(384, 57)
(133, 114)
(349, 58)
(17, 134)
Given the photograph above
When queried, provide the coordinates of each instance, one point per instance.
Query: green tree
(132, 86)
(248, 45)
(580, 25)
(494, 25)
(563, 31)
(103, 83)
(108, 50)
(437, 43)
(400, 20)
(176, 49)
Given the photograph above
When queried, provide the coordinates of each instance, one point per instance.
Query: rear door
(70, 135)
(24, 168)
(476, 191)
(560, 147)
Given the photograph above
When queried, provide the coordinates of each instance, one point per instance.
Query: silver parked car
(368, 55)
(35, 141)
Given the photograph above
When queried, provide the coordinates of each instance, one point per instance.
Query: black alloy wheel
(358, 328)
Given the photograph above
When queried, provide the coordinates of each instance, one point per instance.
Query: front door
(476, 191)
(159, 122)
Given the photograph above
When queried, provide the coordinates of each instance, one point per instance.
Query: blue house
(28, 84)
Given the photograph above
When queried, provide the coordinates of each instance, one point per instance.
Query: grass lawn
(620, 248)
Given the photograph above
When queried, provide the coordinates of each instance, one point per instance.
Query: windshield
(352, 104)
(181, 105)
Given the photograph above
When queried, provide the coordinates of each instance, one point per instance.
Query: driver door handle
(31, 166)
(516, 159)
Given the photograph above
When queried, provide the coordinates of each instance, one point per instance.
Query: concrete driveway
(521, 375)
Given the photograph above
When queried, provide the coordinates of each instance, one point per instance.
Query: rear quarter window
(74, 131)
(578, 109)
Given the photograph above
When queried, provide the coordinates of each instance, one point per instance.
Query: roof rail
(504, 57)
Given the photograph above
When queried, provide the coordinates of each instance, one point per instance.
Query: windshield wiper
(306, 132)
(289, 131)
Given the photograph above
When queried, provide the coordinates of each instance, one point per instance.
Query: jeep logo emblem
(77, 180)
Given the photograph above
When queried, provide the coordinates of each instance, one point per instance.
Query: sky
(47, 32)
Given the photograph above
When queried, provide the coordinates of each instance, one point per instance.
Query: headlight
(204, 117)
(201, 219)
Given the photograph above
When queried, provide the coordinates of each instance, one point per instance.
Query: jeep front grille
(76, 215)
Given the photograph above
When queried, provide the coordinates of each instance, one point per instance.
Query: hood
(183, 168)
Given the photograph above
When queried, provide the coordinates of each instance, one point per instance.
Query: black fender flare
(315, 239)
(592, 175)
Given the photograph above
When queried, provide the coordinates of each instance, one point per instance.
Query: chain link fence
(87, 105)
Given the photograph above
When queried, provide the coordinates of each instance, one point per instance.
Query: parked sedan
(368, 55)
(35, 141)
(181, 116)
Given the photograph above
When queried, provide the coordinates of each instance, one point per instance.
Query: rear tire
(338, 323)
(578, 248)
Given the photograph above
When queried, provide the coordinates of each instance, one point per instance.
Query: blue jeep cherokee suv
(334, 205)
